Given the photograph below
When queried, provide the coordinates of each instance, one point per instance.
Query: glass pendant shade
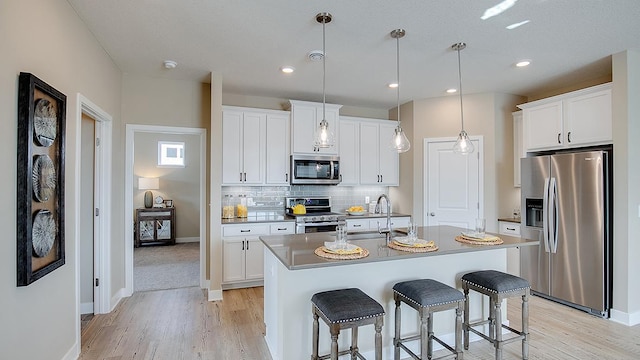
(323, 137)
(399, 140)
(463, 145)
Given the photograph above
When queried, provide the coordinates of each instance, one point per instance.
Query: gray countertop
(510, 219)
(297, 251)
(257, 219)
(374, 216)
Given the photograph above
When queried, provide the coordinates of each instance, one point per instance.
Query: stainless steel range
(318, 217)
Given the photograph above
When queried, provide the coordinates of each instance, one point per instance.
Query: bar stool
(346, 309)
(427, 297)
(497, 286)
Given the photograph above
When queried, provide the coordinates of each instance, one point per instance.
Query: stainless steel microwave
(315, 170)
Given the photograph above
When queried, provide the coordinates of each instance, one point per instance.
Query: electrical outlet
(367, 200)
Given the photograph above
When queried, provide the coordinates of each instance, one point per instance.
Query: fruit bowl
(356, 213)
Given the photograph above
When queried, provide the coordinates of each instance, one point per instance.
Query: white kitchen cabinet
(349, 151)
(371, 224)
(277, 148)
(518, 147)
(255, 146)
(575, 119)
(357, 225)
(243, 147)
(513, 254)
(378, 162)
(243, 252)
(305, 119)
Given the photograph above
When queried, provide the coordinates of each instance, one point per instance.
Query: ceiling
(247, 41)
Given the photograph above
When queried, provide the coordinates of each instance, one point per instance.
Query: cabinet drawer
(357, 225)
(283, 228)
(509, 228)
(245, 229)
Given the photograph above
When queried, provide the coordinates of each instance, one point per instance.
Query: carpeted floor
(166, 267)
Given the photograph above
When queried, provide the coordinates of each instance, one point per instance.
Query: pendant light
(323, 137)
(399, 140)
(463, 145)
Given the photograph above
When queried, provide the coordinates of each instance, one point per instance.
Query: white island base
(287, 298)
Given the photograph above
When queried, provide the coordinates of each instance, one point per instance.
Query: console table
(155, 226)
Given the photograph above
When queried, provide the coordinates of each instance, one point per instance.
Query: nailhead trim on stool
(427, 296)
(497, 286)
(346, 309)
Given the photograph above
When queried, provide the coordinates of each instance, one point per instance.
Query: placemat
(327, 255)
(466, 240)
(393, 245)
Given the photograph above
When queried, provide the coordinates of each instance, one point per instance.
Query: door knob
(432, 214)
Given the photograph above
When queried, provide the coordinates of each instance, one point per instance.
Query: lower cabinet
(369, 224)
(243, 252)
(513, 254)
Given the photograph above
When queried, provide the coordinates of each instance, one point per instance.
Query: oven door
(315, 170)
(305, 228)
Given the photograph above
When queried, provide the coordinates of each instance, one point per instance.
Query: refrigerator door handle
(545, 215)
(553, 215)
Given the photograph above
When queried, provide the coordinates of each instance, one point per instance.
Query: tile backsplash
(271, 198)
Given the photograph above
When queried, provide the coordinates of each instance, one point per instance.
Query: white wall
(46, 38)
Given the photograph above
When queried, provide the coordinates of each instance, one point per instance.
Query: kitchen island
(293, 273)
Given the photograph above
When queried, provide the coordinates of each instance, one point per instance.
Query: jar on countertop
(241, 206)
(228, 207)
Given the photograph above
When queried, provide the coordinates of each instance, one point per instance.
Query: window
(170, 153)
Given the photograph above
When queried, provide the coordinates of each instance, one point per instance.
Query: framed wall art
(40, 190)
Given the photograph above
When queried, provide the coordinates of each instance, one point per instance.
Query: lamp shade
(148, 183)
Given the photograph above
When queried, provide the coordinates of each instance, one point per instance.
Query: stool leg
(335, 331)
(458, 335)
(396, 338)
(430, 334)
(354, 342)
(497, 320)
(378, 340)
(525, 326)
(492, 318)
(465, 327)
(314, 341)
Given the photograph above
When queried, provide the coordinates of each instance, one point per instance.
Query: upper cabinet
(378, 162)
(254, 146)
(305, 119)
(349, 151)
(579, 118)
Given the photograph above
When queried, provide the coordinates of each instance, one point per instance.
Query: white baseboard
(629, 319)
(215, 295)
(86, 308)
(187, 240)
(115, 299)
(73, 353)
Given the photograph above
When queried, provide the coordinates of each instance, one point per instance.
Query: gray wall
(180, 184)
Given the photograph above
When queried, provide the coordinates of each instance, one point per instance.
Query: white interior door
(452, 184)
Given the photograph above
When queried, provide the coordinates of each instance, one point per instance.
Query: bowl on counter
(356, 213)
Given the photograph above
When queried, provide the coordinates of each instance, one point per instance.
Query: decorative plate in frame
(44, 122)
(43, 176)
(43, 233)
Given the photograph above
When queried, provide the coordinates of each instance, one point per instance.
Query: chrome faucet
(387, 229)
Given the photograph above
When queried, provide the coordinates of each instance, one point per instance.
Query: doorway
(131, 194)
(453, 184)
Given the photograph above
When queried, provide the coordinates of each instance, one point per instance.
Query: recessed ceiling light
(452, 91)
(170, 64)
(287, 69)
(393, 85)
(518, 24)
(316, 55)
(523, 63)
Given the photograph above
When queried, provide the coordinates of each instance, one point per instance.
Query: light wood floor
(181, 324)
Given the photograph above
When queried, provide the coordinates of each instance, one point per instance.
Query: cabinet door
(277, 156)
(387, 157)
(253, 144)
(400, 222)
(349, 151)
(369, 139)
(303, 125)
(357, 225)
(518, 148)
(233, 259)
(231, 147)
(588, 119)
(254, 259)
(543, 126)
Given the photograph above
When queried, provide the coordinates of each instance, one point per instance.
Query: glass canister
(241, 206)
(227, 207)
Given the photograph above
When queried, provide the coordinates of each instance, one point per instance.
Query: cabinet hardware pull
(245, 230)
(282, 229)
(240, 177)
(559, 138)
(247, 244)
(286, 177)
(380, 178)
(245, 177)
(569, 136)
(512, 229)
(242, 244)
(357, 225)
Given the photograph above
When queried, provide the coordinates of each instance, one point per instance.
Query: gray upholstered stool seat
(346, 309)
(427, 296)
(497, 286)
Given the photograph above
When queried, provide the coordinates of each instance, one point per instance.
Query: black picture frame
(40, 179)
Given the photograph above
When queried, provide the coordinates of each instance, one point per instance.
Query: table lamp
(148, 184)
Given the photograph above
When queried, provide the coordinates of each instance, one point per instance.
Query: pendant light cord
(324, 70)
(398, 76)
(460, 89)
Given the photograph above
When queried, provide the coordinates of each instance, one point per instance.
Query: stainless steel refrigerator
(566, 205)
